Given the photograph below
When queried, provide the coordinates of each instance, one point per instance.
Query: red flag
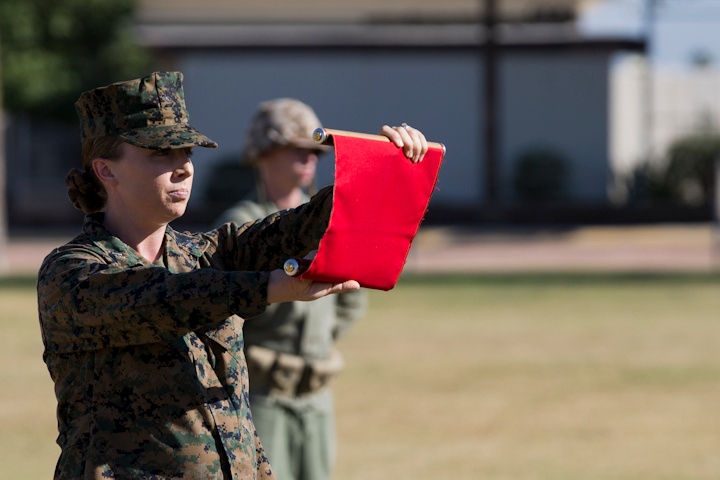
(380, 199)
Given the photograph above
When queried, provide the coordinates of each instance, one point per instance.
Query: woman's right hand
(284, 288)
(410, 139)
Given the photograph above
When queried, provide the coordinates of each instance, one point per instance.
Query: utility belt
(282, 374)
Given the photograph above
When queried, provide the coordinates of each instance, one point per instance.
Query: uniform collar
(179, 247)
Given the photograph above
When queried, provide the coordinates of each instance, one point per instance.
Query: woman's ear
(104, 172)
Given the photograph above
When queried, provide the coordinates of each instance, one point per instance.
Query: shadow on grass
(559, 278)
(534, 278)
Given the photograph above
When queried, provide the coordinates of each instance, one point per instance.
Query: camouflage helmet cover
(148, 112)
(282, 122)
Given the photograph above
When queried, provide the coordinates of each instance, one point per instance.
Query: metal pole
(715, 253)
(490, 104)
(3, 209)
(649, 97)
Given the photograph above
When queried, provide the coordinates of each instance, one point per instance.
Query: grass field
(518, 377)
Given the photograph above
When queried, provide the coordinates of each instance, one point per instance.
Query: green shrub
(541, 174)
(690, 173)
(687, 177)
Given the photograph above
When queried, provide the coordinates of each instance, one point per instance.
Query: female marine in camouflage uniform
(142, 324)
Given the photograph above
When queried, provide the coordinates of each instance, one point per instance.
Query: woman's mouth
(180, 194)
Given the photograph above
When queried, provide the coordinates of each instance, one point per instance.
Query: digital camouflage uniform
(307, 330)
(147, 360)
(290, 346)
(148, 112)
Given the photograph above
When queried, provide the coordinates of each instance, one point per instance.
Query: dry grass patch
(506, 377)
(534, 378)
(27, 401)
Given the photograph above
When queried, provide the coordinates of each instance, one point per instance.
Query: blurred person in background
(142, 324)
(290, 348)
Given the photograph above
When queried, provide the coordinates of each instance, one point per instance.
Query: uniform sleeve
(350, 307)
(267, 243)
(85, 303)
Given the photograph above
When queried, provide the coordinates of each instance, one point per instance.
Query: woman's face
(152, 185)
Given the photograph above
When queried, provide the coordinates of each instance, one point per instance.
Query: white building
(651, 109)
(361, 64)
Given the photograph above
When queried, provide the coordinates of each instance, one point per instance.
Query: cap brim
(167, 137)
(309, 144)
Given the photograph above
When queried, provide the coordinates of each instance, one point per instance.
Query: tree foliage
(51, 50)
(688, 175)
(691, 167)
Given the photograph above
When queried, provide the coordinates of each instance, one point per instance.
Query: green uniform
(290, 402)
(147, 359)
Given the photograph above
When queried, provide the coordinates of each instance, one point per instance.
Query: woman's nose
(184, 165)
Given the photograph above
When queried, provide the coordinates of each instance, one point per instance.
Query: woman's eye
(189, 152)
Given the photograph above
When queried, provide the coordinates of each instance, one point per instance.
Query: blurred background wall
(549, 114)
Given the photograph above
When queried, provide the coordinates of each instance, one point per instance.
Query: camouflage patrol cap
(283, 122)
(148, 112)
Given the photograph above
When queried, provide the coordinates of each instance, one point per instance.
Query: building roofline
(284, 36)
(350, 11)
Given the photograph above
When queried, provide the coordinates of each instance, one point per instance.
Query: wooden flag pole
(323, 136)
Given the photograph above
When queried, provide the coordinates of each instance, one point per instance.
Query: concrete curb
(656, 248)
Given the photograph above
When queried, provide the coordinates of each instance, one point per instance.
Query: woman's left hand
(411, 140)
